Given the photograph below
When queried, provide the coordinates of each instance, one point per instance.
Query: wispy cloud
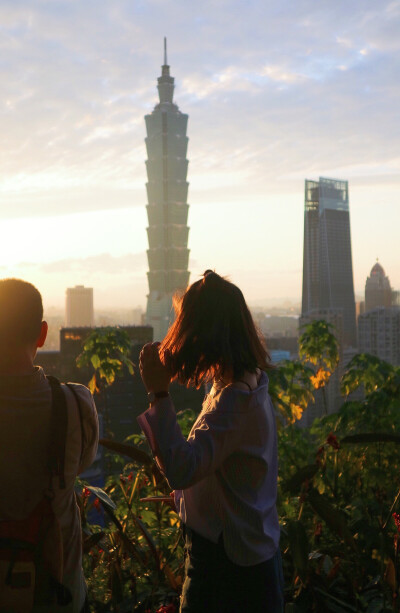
(102, 264)
(77, 79)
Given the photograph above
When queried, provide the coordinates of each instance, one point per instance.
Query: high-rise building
(379, 333)
(167, 209)
(378, 292)
(327, 261)
(79, 307)
(395, 297)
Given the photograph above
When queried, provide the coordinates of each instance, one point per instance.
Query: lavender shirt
(225, 473)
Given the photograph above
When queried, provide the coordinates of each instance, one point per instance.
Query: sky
(276, 92)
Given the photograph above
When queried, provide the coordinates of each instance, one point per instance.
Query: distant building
(327, 260)
(396, 298)
(360, 308)
(288, 344)
(379, 333)
(378, 292)
(79, 307)
(167, 209)
(137, 316)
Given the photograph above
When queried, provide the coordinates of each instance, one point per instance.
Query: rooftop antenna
(165, 51)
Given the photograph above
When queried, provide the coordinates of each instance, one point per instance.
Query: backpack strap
(58, 431)
(78, 403)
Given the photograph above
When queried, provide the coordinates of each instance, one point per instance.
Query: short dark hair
(213, 330)
(21, 312)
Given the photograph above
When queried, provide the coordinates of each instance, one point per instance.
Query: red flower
(332, 441)
(144, 482)
(97, 504)
(396, 518)
(130, 476)
(319, 455)
(318, 530)
(85, 493)
(167, 608)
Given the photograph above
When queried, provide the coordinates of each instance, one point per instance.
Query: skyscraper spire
(167, 209)
(165, 82)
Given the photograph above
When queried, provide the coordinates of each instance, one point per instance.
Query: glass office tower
(327, 261)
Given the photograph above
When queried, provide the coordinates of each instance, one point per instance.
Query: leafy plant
(339, 499)
(291, 389)
(107, 351)
(318, 346)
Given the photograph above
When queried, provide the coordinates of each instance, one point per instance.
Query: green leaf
(105, 500)
(92, 385)
(92, 540)
(129, 451)
(106, 350)
(95, 360)
(299, 547)
(333, 517)
(293, 485)
(372, 437)
(318, 345)
(367, 370)
(335, 604)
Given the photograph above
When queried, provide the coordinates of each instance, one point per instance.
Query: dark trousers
(214, 584)
(85, 608)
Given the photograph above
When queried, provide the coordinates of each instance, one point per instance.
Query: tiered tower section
(167, 209)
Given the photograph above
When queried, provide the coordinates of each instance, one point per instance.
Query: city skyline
(290, 92)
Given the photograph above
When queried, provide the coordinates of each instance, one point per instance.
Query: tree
(318, 346)
(106, 351)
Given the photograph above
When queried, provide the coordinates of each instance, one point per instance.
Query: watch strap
(153, 396)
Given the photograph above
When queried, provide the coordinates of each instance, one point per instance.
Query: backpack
(31, 549)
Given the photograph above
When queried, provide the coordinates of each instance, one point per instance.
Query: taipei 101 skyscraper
(167, 209)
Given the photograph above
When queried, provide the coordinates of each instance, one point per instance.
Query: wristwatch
(152, 396)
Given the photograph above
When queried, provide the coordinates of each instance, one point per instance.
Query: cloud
(97, 265)
(271, 94)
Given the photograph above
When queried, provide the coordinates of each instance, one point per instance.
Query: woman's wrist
(153, 396)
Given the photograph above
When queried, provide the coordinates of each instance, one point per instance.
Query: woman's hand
(156, 376)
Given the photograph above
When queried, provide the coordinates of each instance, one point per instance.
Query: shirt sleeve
(215, 435)
(89, 426)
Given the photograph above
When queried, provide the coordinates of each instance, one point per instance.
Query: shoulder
(83, 396)
(233, 399)
(81, 390)
(81, 402)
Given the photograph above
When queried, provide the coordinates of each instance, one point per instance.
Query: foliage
(344, 554)
(318, 346)
(339, 499)
(135, 563)
(368, 371)
(107, 351)
(291, 389)
(293, 383)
